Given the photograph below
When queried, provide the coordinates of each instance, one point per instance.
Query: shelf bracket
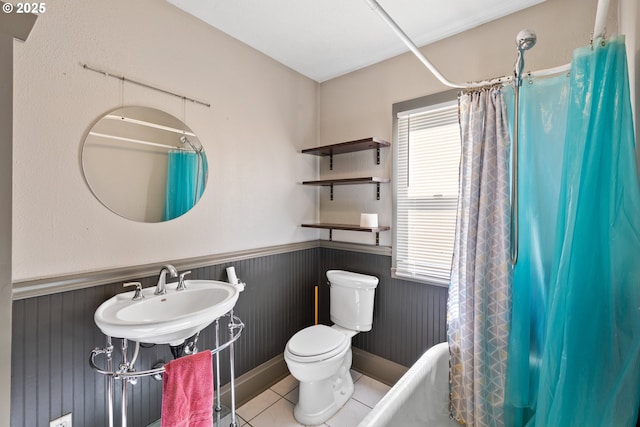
(378, 191)
(331, 192)
(377, 238)
(378, 156)
(331, 161)
(330, 234)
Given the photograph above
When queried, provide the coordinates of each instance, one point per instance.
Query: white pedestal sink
(169, 318)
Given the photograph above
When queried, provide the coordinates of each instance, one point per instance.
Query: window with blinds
(426, 192)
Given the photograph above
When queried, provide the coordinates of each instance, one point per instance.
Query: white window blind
(426, 175)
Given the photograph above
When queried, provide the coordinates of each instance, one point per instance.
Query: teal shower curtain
(574, 348)
(543, 119)
(186, 178)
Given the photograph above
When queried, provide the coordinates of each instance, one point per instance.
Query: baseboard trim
(377, 367)
(254, 382)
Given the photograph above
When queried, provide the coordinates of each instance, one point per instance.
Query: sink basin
(166, 319)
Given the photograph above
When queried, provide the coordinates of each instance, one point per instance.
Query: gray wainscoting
(53, 334)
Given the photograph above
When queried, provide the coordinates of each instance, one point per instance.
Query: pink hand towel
(187, 392)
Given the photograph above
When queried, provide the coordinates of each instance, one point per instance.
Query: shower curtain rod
(598, 31)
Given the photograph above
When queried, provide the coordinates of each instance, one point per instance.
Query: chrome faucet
(161, 287)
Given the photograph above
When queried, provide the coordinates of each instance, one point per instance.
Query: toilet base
(320, 400)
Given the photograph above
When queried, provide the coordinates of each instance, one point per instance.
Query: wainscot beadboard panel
(54, 334)
(408, 317)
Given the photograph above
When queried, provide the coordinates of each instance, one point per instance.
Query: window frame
(424, 102)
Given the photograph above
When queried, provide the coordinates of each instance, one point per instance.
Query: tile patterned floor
(274, 407)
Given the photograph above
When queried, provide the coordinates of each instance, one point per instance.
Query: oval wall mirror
(144, 164)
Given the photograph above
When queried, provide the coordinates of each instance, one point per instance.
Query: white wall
(359, 104)
(262, 115)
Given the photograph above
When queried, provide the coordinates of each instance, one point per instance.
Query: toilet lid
(316, 340)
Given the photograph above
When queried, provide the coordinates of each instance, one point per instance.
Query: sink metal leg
(217, 405)
(232, 373)
(109, 353)
(123, 402)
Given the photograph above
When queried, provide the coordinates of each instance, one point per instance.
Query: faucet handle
(137, 296)
(181, 285)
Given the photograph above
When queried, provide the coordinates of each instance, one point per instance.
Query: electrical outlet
(63, 421)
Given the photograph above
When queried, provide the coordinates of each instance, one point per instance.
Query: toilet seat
(315, 343)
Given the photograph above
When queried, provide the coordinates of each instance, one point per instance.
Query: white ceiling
(323, 39)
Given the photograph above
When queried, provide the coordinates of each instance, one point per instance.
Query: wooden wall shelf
(349, 147)
(348, 227)
(343, 181)
(350, 181)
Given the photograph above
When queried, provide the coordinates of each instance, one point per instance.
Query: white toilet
(320, 356)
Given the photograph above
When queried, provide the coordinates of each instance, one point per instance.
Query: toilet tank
(351, 301)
